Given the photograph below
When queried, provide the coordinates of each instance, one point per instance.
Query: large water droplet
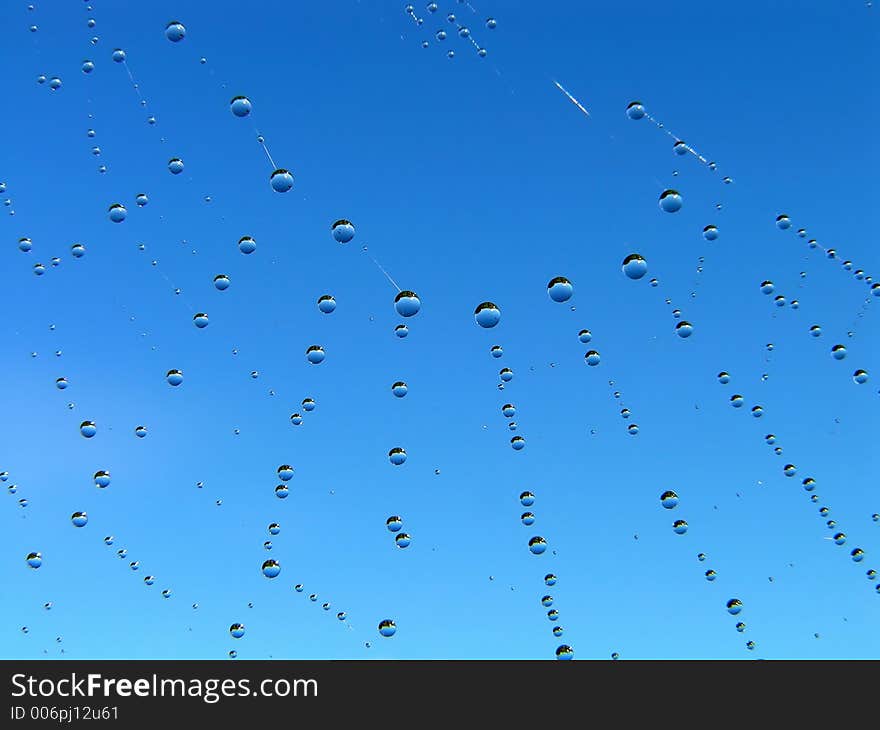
(407, 303)
(560, 289)
(670, 201)
(487, 315)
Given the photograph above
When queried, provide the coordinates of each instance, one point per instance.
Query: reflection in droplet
(635, 110)
(281, 180)
(560, 289)
(684, 329)
(407, 304)
(175, 31)
(670, 201)
(343, 230)
(327, 304)
(387, 628)
(200, 320)
(564, 652)
(240, 106)
(487, 315)
(397, 456)
(315, 354)
(537, 545)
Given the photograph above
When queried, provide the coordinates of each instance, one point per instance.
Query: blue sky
(469, 180)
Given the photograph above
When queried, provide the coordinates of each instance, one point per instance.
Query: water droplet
(783, 222)
(88, 429)
(679, 527)
(387, 628)
(560, 289)
(669, 499)
(34, 560)
(343, 231)
(397, 456)
(564, 652)
(247, 245)
(670, 201)
(88, 66)
(221, 282)
(327, 304)
(174, 377)
(860, 376)
(54, 83)
(487, 315)
(634, 266)
(399, 389)
(635, 110)
(402, 540)
(407, 303)
(592, 358)
(517, 443)
(506, 374)
(838, 352)
(281, 180)
(401, 331)
(175, 31)
(200, 320)
(118, 55)
(684, 329)
(315, 354)
(271, 568)
(240, 106)
(537, 545)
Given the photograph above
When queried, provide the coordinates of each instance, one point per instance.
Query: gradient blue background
(469, 179)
